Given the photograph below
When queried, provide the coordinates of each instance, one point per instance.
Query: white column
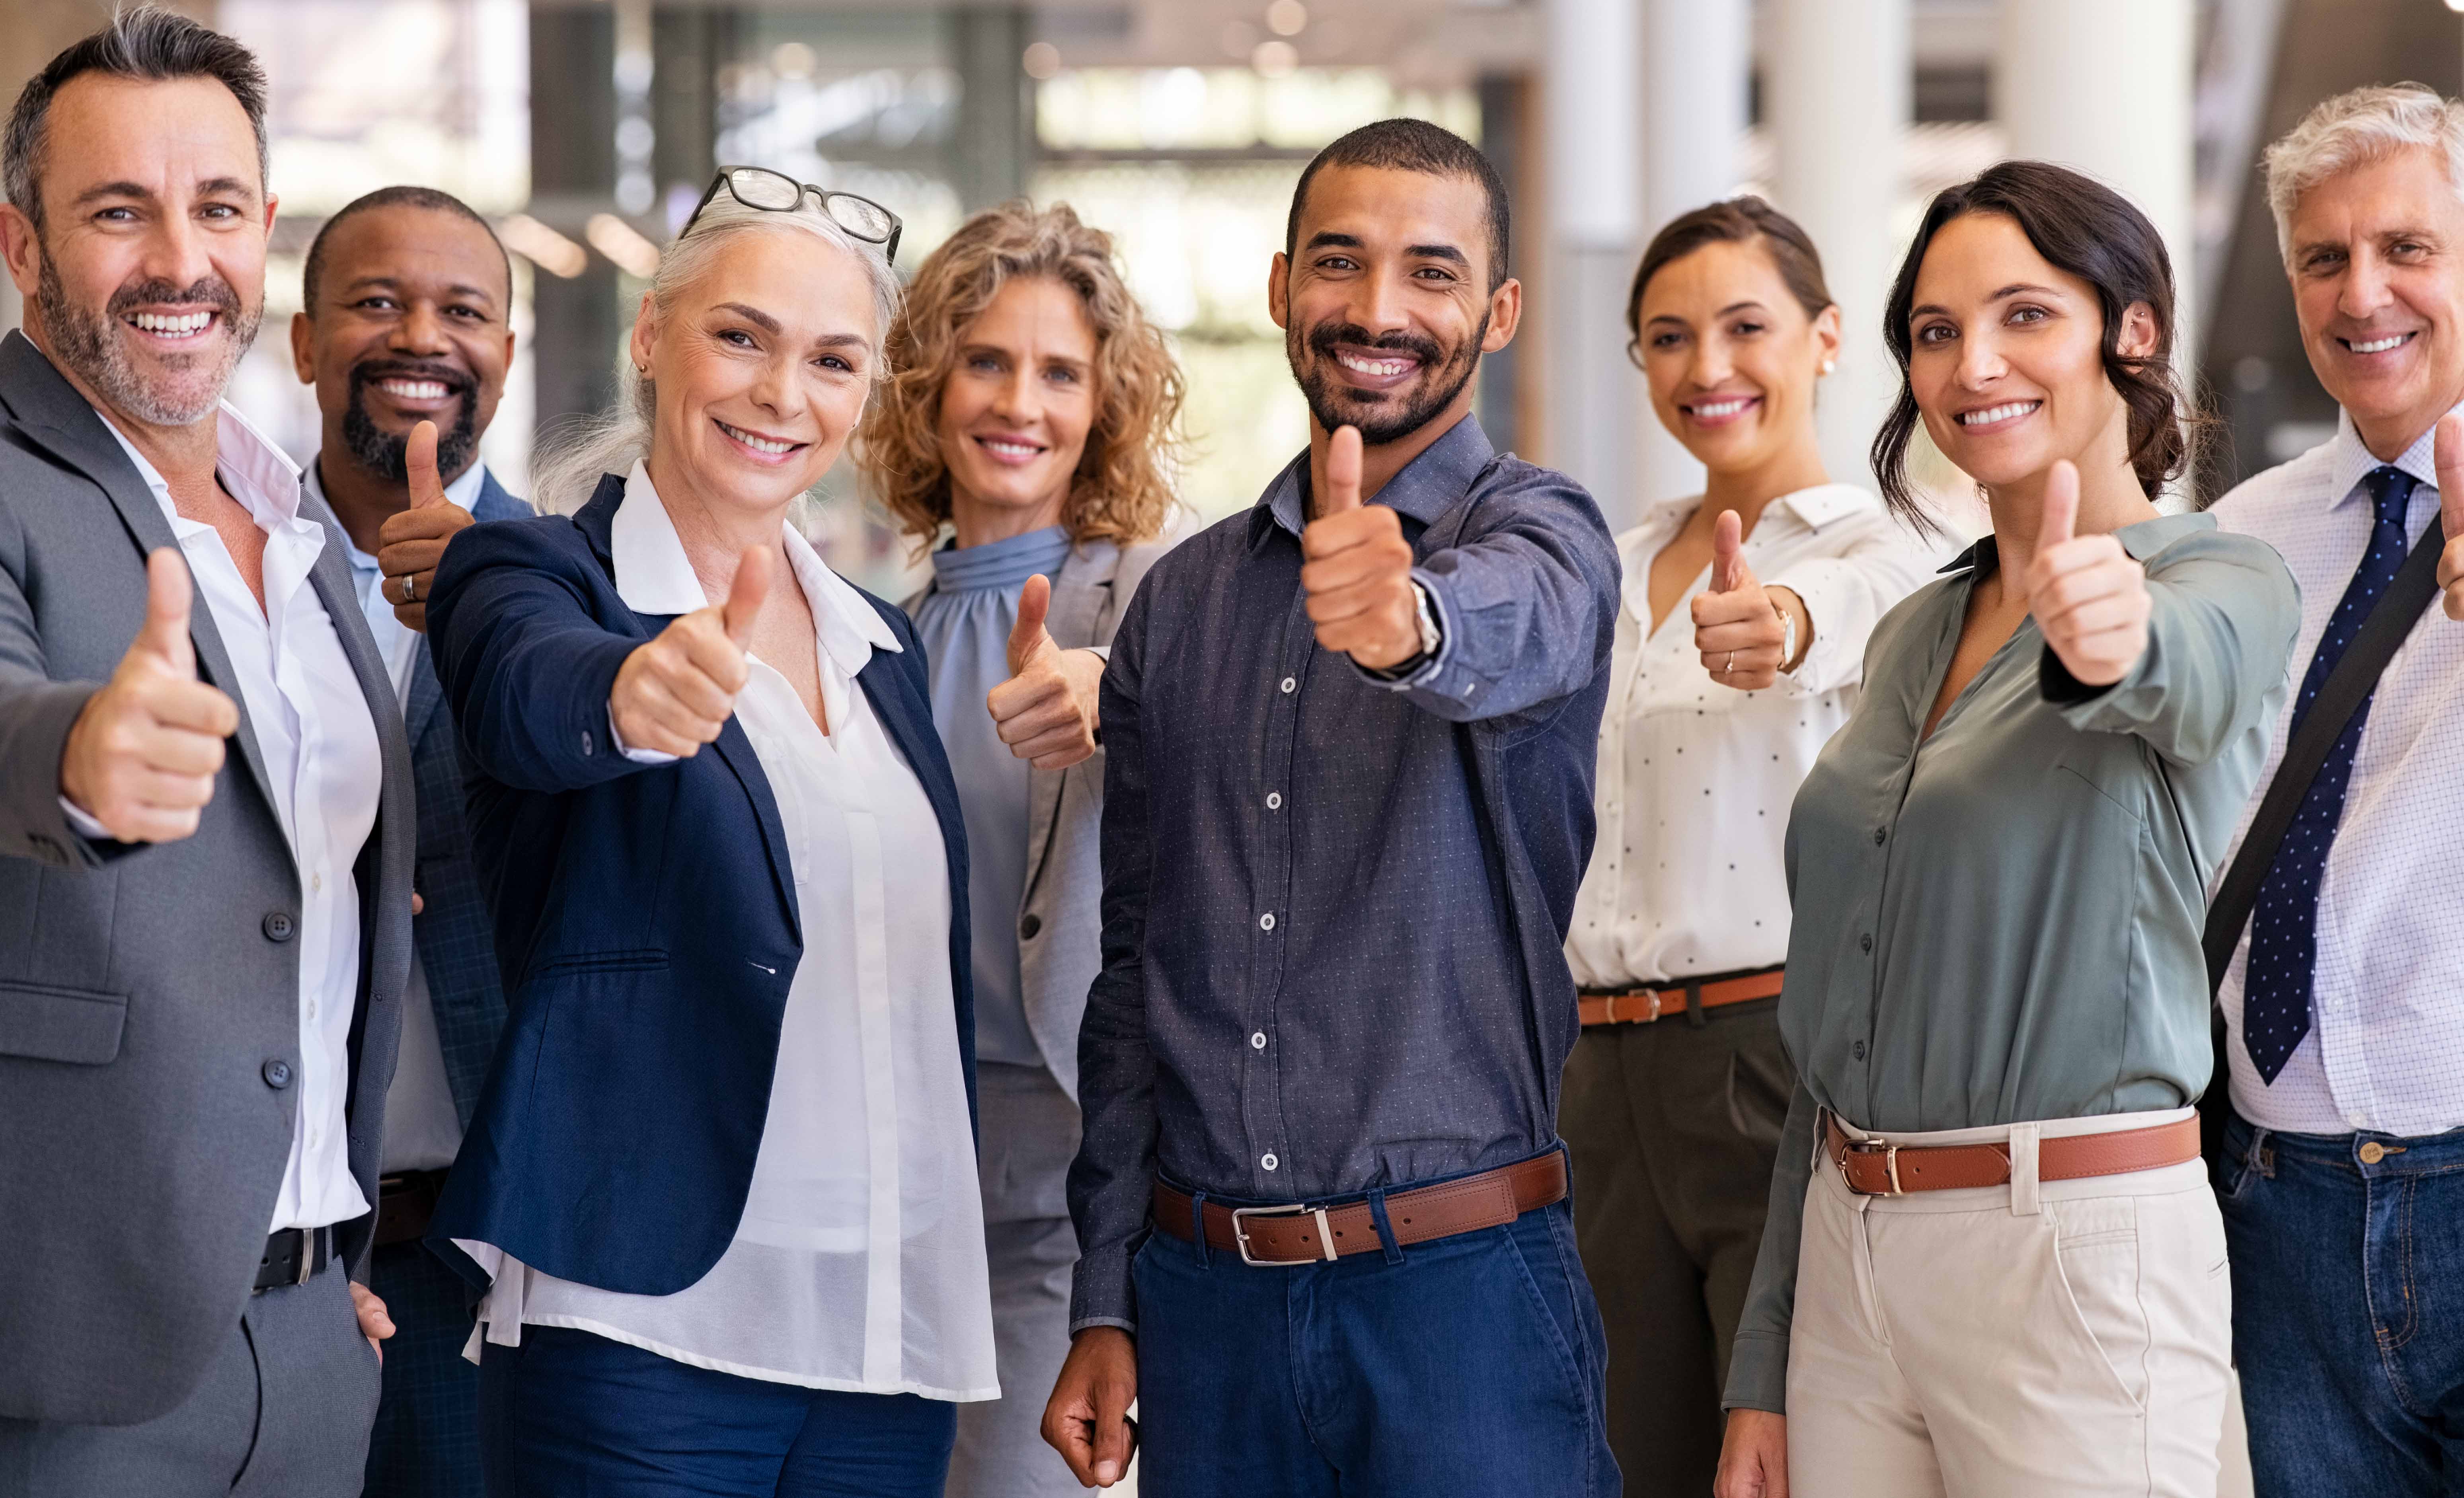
(1592, 98)
(1696, 65)
(1836, 100)
(2105, 86)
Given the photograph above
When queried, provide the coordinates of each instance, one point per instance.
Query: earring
(1829, 364)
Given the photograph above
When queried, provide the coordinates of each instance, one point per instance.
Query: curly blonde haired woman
(1031, 416)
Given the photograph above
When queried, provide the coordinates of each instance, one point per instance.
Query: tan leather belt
(1299, 1234)
(1872, 1168)
(1642, 1005)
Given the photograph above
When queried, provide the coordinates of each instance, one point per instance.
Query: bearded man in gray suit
(206, 826)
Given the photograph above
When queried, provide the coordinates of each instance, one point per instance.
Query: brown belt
(1642, 1005)
(1872, 1168)
(404, 1202)
(1297, 1234)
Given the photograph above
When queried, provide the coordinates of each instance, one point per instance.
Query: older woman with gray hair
(720, 1188)
(2333, 933)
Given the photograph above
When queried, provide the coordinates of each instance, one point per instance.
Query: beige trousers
(2022, 1341)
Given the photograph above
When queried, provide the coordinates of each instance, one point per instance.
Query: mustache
(368, 372)
(1324, 339)
(210, 290)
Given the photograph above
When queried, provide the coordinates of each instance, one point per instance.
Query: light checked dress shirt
(2385, 1048)
(1335, 906)
(859, 1262)
(1696, 778)
(318, 742)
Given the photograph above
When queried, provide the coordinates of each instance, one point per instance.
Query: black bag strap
(2347, 688)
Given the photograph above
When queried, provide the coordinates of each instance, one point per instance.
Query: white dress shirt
(859, 1262)
(2385, 1048)
(318, 741)
(422, 1128)
(1696, 779)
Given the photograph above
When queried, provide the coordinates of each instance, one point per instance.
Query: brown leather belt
(1872, 1168)
(1642, 1005)
(1299, 1234)
(404, 1202)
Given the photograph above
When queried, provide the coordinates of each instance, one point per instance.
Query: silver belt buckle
(1241, 1236)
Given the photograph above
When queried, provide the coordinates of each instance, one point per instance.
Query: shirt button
(1029, 926)
(1258, 1041)
(1267, 922)
(317, 884)
(1861, 1050)
(1267, 1161)
(1879, 835)
(276, 1073)
(588, 745)
(1274, 799)
(277, 926)
(1291, 684)
(1865, 943)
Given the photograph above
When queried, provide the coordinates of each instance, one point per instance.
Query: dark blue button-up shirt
(1335, 907)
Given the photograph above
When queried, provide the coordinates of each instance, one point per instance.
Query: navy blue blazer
(646, 921)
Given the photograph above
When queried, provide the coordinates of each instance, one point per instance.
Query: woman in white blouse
(721, 1184)
(1738, 654)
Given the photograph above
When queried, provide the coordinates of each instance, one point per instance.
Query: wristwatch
(1787, 639)
(1427, 619)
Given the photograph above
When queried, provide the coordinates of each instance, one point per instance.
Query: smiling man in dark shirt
(1320, 1200)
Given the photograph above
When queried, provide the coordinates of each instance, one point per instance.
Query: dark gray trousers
(1674, 1127)
(283, 1412)
(1030, 1136)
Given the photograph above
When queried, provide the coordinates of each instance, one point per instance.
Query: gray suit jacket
(148, 993)
(1064, 872)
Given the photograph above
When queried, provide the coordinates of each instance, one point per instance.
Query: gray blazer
(146, 994)
(1060, 925)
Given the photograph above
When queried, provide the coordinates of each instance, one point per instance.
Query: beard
(387, 456)
(1389, 415)
(183, 388)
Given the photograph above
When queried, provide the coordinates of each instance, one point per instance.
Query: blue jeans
(570, 1415)
(1469, 1365)
(2348, 1309)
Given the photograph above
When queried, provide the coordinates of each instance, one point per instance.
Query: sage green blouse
(2001, 924)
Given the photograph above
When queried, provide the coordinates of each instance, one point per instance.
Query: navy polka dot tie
(2284, 925)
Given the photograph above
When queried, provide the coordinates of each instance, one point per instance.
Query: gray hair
(2355, 130)
(565, 474)
(147, 43)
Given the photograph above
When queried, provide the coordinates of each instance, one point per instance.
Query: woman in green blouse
(1993, 1263)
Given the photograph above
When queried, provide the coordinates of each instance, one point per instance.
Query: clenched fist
(1358, 571)
(673, 694)
(1738, 624)
(411, 543)
(2089, 598)
(141, 757)
(1047, 710)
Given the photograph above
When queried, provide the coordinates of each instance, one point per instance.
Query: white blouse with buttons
(1696, 779)
(859, 1262)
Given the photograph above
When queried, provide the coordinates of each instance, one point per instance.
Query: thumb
(169, 592)
(745, 594)
(1033, 600)
(1342, 472)
(1728, 545)
(2450, 448)
(418, 457)
(2060, 521)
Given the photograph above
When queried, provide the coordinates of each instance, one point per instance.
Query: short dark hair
(147, 43)
(1744, 219)
(1413, 146)
(428, 198)
(2083, 227)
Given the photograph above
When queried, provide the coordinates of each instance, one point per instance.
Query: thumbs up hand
(1358, 571)
(1047, 710)
(1738, 624)
(2450, 448)
(673, 694)
(411, 542)
(2089, 598)
(141, 757)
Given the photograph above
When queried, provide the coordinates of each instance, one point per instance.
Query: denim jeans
(2348, 1309)
(1469, 1366)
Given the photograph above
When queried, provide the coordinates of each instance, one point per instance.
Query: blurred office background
(587, 129)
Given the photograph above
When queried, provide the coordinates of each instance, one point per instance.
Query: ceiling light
(1041, 60)
(1287, 17)
(1274, 59)
(621, 242)
(542, 246)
